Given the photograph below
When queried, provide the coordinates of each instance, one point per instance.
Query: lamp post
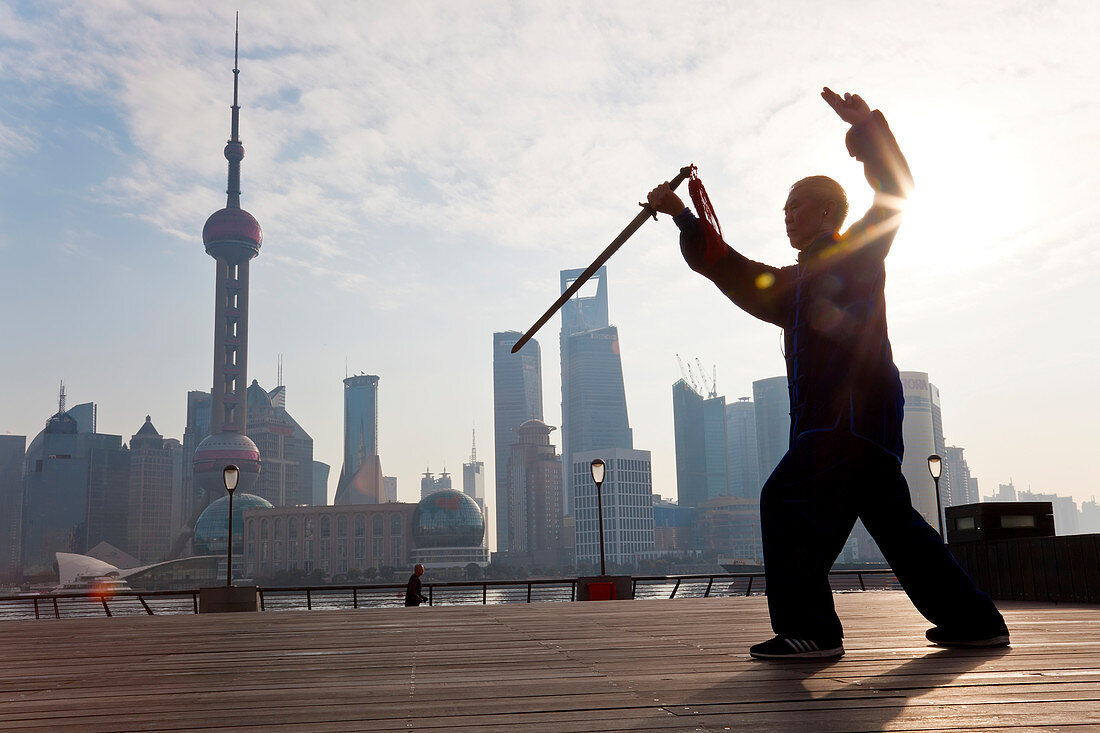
(230, 475)
(935, 467)
(599, 470)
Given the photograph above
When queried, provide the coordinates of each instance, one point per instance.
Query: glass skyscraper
(593, 397)
(192, 499)
(773, 422)
(517, 398)
(687, 423)
(75, 493)
(701, 448)
(360, 427)
(742, 455)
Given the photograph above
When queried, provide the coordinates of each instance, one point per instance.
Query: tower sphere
(229, 229)
(219, 450)
(234, 150)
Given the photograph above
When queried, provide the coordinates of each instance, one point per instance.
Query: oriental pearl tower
(232, 237)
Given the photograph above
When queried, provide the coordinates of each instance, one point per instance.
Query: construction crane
(688, 375)
(711, 388)
(696, 378)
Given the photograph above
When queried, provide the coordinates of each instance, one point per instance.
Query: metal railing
(51, 600)
(463, 592)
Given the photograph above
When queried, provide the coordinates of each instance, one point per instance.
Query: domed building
(212, 528)
(447, 530)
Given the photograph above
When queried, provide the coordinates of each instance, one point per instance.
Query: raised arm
(871, 142)
(758, 289)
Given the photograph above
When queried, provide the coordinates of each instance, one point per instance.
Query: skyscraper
(75, 492)
(12, 450)
(320, 483)
(534, 498)
(286, 449)
(429, 484)
(149, 516)
(192, 498)
(473, 485)
(687, 423)
(627, 506)
(107, 514)
(742, 455)
(593, 396)
(773, 422)
(701, 449)
(232, 237)
(919, 433)
(517, 398)
(360, 431)
(962, 488)
(85, 415)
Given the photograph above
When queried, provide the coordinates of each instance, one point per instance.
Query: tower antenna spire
(234, 150)
(61, 399)
(473, 446)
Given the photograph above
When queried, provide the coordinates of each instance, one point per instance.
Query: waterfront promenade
(653, 665)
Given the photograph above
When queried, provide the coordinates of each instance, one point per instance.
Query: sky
(423, 171)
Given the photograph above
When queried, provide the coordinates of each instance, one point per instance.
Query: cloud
(464, 152)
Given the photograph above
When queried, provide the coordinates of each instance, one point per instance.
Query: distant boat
(99, 584)
(740, 565)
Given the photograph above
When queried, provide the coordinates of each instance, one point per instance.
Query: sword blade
(646, 212)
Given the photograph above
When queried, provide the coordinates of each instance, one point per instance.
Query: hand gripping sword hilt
(682, 176)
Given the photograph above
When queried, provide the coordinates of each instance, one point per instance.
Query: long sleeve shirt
(413, 596)
(830, 304)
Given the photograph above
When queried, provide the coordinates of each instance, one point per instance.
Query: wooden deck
(677, 665)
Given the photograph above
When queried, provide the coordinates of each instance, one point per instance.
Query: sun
(971, 193)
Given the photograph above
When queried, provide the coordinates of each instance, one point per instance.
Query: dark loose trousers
(807, 510)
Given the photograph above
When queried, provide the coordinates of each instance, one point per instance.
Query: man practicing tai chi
(844, 459)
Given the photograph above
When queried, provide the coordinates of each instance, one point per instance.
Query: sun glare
(971, 195)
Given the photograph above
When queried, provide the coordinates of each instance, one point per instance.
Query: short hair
(826, 189)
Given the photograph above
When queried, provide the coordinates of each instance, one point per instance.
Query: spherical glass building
(213, 524)
(447, 518)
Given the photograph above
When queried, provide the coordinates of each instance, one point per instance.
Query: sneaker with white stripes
(787, 647)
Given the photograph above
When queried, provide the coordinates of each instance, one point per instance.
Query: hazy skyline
(423, 172)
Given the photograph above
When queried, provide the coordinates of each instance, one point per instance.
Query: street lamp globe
(231, 475)
(599, 469)
(935, 465)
